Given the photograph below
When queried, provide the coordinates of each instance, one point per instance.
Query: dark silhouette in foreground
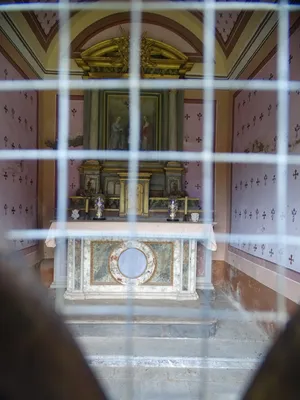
(39, 358)
(278, 377)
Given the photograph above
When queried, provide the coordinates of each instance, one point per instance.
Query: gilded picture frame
(116, 122)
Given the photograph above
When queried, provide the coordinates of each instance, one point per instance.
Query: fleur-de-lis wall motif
(294, 213)
(271, 252)
(291, 259)
(269, 109)
(295, 174)
(257, 213)
(273, 213)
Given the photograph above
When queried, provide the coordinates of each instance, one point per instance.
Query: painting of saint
(117, 123)
(116, 133)
(146, 135)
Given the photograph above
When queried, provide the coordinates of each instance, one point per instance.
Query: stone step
(173, 383)
(120, 389)
(172, 347)
(158, 329)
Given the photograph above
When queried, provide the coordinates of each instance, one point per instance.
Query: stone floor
(186, 368)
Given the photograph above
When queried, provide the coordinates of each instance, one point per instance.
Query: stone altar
(117, 267)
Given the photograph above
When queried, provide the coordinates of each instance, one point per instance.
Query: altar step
(173, 368)
(177, 367)
(141, 323)
(143, 328)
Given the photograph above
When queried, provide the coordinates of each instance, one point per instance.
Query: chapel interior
(244, 194)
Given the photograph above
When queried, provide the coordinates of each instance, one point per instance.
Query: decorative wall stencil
(225, 22)
(193, 133)
(18, 179)
(260, 197)
(75, 140)
(76, 128)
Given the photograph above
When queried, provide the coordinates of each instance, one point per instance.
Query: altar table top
(169, 230)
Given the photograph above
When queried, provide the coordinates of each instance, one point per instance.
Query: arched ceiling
(238, 35)
(229, 25)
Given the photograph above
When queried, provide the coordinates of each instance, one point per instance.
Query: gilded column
(172, 120)
(94, 121)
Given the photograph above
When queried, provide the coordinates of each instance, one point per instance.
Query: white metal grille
(209, 84)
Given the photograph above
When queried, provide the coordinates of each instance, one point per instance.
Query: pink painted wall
(225, 22)
(192, 141)
(18, 180)
(254, 205)
(76, 128)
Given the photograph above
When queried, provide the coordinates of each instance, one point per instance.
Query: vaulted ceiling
(238, 34)
(229, 25)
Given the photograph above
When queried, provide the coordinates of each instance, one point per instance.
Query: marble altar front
(115, 266)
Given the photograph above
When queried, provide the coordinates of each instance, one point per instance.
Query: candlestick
(86, 206)
(185, 205)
